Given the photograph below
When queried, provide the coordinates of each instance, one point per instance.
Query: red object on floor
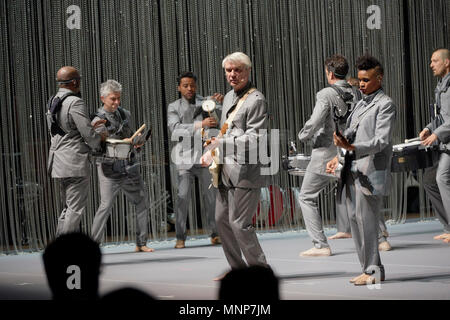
(276, 206)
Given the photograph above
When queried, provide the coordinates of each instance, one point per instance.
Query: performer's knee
(443, 180)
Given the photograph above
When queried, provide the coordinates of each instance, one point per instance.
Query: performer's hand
(218, 97)
(206, 159)
(425, 133)
(104, 135)
(209, 123)
(97, 124)
(332, 165)
(342, 142)
(430, 140)
(137, 141)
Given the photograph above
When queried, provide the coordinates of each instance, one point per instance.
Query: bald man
(437, 178)
(72, 137)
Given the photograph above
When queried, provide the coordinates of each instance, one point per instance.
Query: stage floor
(418, 267)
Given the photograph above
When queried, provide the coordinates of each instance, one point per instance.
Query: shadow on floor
(435, 277)
(307, 276)
(188, 246)
(154, 260)
(414, 246)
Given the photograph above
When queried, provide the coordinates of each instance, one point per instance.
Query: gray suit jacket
(373, 142)
(181, 123)
(239, 146)
(442, 94)
(320, 127)
(69, 155)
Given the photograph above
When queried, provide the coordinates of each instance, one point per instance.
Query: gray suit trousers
(74, 193)
(343, 222)
(235, 208)
(364, 218)
(437, 185)
(135, 190)
(312, 185)
(185, 180)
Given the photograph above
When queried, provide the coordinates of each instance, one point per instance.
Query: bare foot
(384, 246)
(442, 236)
(353, 280)
(340, 235)
(364, 280)
(143, 249)
(219, 278)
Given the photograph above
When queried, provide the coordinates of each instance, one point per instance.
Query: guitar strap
(215, 167)
(235, 111)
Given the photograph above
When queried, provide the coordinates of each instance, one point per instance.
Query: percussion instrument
(209, 106)
(296, 164)
(412, 155)
(118, 149)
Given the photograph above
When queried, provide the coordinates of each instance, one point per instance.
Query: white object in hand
(209, 106)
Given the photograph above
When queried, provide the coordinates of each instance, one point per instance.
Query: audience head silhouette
(72, 265)
(255, 283)
(128, 294)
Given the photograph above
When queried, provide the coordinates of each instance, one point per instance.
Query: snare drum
(296, 165)
(118, 149)
(413, 156)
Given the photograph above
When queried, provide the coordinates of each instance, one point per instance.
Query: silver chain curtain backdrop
(145, 44)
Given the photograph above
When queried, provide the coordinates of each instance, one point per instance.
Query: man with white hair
(114, 174)
(244, 116)
(437, 178)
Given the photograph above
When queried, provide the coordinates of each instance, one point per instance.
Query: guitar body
(215, 169)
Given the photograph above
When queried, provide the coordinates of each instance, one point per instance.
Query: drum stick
(138, 131)
(412, 140)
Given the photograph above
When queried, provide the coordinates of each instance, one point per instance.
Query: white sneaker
(314, 252)
(384, 246)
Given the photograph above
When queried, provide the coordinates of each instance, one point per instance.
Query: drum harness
(121, 167)
(54, 106)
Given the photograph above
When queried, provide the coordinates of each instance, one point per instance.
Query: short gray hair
(237, 57)
(444, 52)
(109, 87)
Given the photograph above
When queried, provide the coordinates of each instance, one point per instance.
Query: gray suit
(436, 179)
(238, 195)
(181, 123)
(111, 182)
(69, 159)
(369, 179)
(319, 128)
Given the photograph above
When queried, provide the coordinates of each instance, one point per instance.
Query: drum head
(209, 106)
(116, 141)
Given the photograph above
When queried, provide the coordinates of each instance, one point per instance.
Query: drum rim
(117, 141)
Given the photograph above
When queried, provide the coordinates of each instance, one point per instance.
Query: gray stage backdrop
(144, 44)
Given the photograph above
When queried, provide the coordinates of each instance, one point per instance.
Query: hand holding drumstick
(137, 133)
